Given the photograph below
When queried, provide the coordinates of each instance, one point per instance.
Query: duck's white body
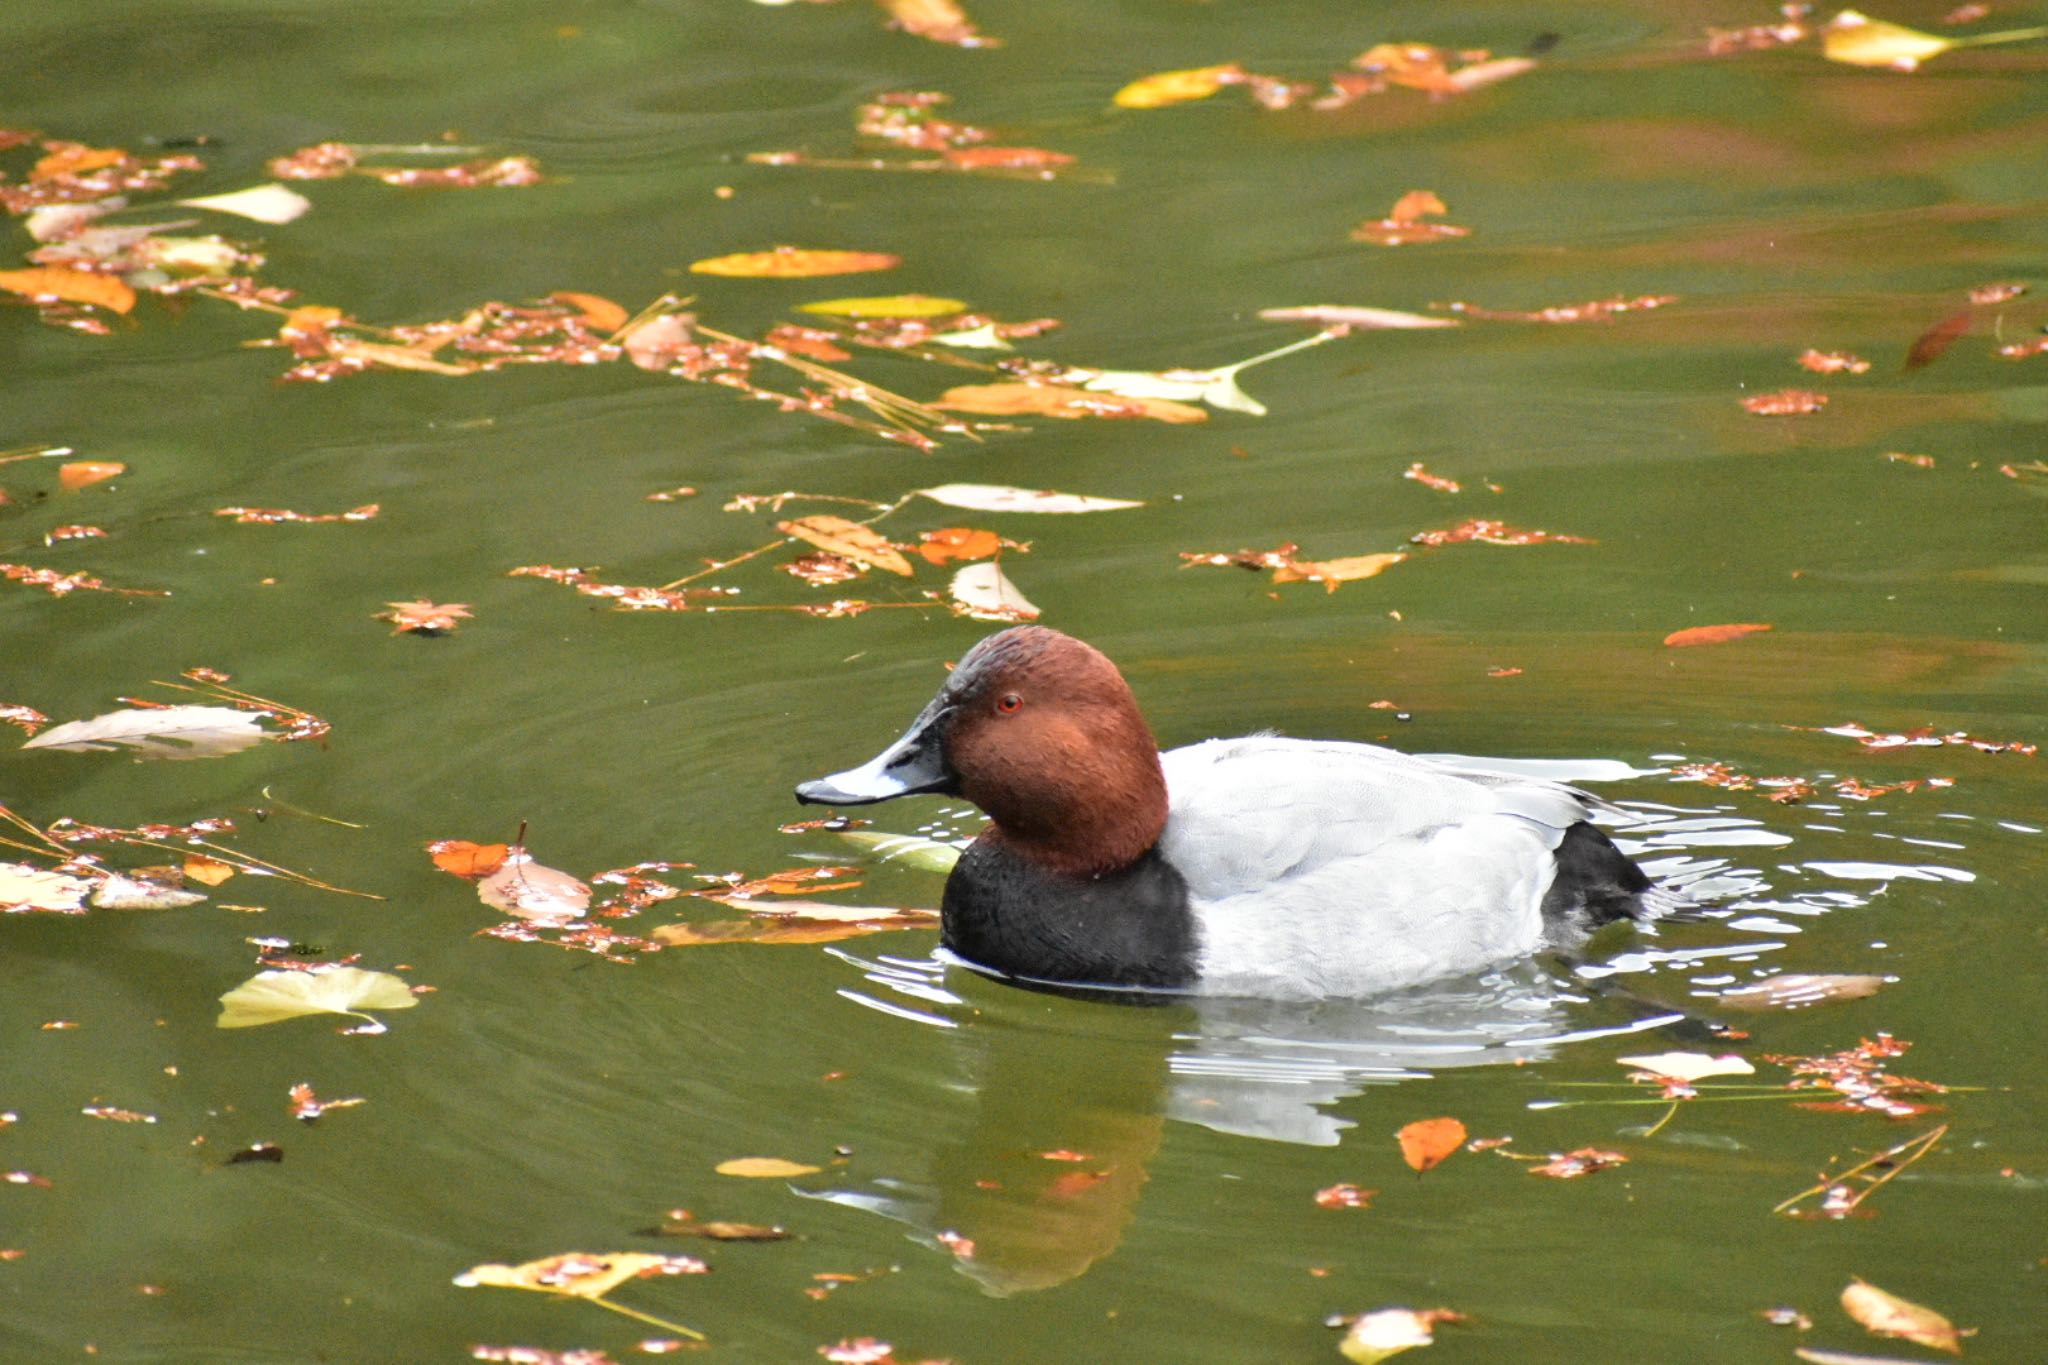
(1321, 868)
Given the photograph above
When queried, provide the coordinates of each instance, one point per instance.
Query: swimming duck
(1260, 866)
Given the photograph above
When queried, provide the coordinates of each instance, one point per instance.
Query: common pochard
(1261, 866)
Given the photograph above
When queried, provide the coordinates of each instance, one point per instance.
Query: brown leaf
(391, 357)
(207, 871)
(1713, 635)
(788, 262)
(1005, 158)
(1012, 399)
(1888, 1315)
(1426, 1142)
(719, 1231)
(836, 535)
(1833, 362)
(1929, 345)
(72, 286)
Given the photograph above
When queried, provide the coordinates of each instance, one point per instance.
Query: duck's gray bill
(913, 764)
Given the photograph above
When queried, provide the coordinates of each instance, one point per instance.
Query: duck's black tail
(1596, 882)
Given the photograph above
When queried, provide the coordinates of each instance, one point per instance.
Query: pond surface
(1004, 1175)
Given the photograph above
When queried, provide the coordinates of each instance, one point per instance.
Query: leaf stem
(648, 1318)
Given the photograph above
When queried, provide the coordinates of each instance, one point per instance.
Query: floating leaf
(1713, 635)
(837, 535)
(466, 859)
(132, 893)
(1689, 1066)
(1372, 1337)
(1584, 1161)
(76, 474)
(1177, 87)
(683, 1224)
(23, 887)
(1795, 990)
(1331, 572)
(525, 888)
(587, 1275)
(949, 543)
(264, 203)
(272, 997)
(994, 497)
(1426, 1142)
(206, 871)
(1405, 223)
(788, 262)
(799, 922)
(1785, 403)
(598, 311)
(421, 617)
(1860, 40)
(1015, 399)
(159, 732)
(888, 306)
(987, 594)
(1888, 1315)
(1930, 344)
(1344, 1196)
(942, 21)
(72, 286)
(765, 1168)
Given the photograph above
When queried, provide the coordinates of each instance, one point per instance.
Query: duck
(1259, 866)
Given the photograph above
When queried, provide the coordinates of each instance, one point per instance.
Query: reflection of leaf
(159, 732)
(788, 262)
(888, 306)
(1177, 87)
(73, 286)
(804, 922)
(995, 497)
(23, 887)
(1016, 399)
(987, 594)
(264, 203)
(1888, 1315)
(1426, 1142)
(272, 997)
(1689, 1066)
(764, 1167)
(926, 855)
(838, 536)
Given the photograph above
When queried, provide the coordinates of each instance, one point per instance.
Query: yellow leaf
(788, 262)
(1888, 1315)
(268, 997)
(1860, 40)
(888, 306)
(73, 286)
(207, 871)
(1331, 572)
(837, 535)
(765, 1167)
(396, 357)
(1177, 87)
(600, 312)
(586, 1275)
(1059, 400)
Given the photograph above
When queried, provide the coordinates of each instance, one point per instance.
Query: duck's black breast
(1129, 928)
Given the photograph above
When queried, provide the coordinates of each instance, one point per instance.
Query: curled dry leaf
(837, 535)
(272, 997)
(986, 593)
(599, 312)
(1344, 1196)
(1426, 1142)
(1713, 635)
(1016, 399)
(1177, 87)
(789, 262)
(1584, 1161)
(993, 497)
(1405, 223)
(764, 1168)
(71, 286)
(941, 21)
(1888, 1315)
(159, 732)
(1833, 362)
(1930, 344)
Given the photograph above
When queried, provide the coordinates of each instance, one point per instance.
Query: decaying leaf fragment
(1689, 1066)
(984, 592)
(1796, 990)
(524, 888)
(421, 617)
(274, 996)
(24, 887)
(1887, 1315)
(1406, 223)
(1016, 399)
(839, 536)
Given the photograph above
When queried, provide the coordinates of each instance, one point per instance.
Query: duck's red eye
(1009, 703)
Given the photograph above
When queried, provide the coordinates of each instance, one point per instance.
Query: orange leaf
(79, 473)
(1059, 400)
(73, 286)
(942, 21)
(1712, 635)
(1416, 205)
(788, 262)
(74, 158)
(958, 542)
(1426, 1142)
(600, 312)
(207, 871)
(1005, 158)
(466, 859)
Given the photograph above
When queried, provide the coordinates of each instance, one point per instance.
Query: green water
(539, 1102)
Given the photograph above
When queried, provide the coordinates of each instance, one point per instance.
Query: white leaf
(54, 221)
(159, 732)
(264, 203)
(1690, 1066)
(138, 893)
(524, 888)
(23, 887)
(995, 497)
(983, 338)
(1217, 388)
(1344, 315)
(988, 595)
(269, 997)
